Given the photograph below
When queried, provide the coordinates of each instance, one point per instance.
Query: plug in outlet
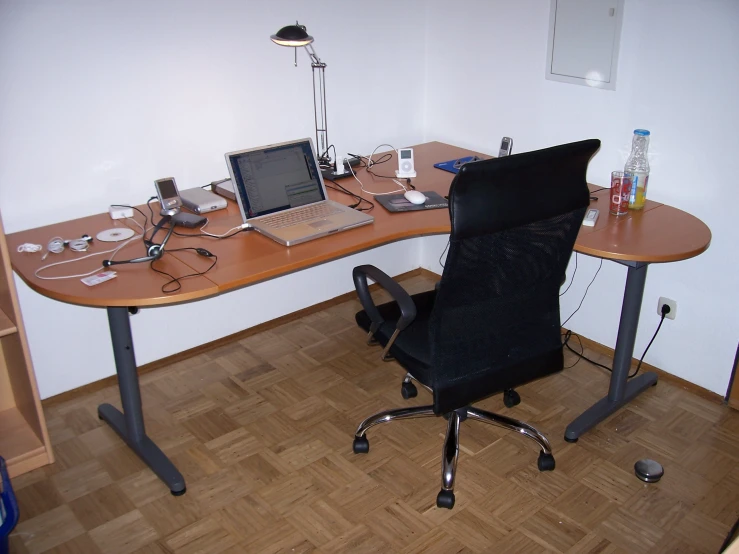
(671, 303)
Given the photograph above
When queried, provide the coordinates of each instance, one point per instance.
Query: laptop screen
(276, 178)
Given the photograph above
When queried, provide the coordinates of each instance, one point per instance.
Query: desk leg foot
(145, 449)
(605, 407)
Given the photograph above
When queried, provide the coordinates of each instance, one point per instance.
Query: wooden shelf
(7, 327)
(19, 444)
(24, 438)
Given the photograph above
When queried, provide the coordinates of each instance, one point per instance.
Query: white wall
(99, 99)
(678, 76)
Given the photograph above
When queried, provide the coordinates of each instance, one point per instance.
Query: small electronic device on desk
(201, 201)
(399, 203)
(170, 201)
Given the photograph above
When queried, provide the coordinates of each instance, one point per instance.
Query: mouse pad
(398, 203)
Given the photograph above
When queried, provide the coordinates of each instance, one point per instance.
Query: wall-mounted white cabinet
(584, 37)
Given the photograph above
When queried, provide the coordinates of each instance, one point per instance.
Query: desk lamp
(296, 36)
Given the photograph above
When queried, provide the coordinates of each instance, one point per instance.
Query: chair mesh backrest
(514, 225)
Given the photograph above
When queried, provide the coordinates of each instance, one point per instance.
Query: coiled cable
(56, 245)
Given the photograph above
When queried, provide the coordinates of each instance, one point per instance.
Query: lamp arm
(314, 59)
(319, 105)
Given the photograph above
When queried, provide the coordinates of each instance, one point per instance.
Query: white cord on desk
(29, 247)
(114, 251)
(202, 230)
(369, 164)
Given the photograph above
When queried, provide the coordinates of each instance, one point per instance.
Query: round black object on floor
(649, 471)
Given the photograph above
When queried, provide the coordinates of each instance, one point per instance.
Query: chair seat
(411, 346)
(411, 350)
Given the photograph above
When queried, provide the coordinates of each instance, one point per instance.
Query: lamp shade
(292, 35)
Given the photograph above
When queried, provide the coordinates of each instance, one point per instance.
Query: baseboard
(266, 326)
(158, 364)
(662, 375)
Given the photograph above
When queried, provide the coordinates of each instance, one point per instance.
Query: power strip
(330, 173)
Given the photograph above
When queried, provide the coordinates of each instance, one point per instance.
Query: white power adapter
(117, 212)
(340, 168)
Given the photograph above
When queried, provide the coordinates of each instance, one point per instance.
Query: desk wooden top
(659, 233)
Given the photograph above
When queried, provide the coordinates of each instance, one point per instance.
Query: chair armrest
(405, 302)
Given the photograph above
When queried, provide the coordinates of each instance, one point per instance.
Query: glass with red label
(620, 192)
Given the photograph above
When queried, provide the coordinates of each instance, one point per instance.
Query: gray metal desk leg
(621, 390)
(130, 423)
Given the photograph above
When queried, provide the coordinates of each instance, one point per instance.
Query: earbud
(204, 252)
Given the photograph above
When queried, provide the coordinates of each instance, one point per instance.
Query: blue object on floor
(8, 509)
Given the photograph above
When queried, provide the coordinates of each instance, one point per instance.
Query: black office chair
(493, 322)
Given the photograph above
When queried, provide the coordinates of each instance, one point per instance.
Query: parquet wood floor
(262, 431)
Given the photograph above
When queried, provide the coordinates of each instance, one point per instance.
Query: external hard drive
(202, 201)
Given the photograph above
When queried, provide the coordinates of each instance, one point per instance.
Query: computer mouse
(415, 197)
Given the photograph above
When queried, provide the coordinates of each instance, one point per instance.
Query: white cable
(113, 250)
(369, 164)
(202, 230)
(29, 247)
(56, 245)
(78, 245)
(137, 223)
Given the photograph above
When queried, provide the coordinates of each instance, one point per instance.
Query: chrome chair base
(450, 449)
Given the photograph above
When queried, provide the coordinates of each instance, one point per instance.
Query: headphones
(153, 251)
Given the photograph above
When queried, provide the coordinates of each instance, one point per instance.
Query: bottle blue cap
(641, 132)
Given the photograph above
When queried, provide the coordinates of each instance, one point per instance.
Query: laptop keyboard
(301, 215)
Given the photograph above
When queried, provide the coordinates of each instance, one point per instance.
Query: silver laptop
(280, 192)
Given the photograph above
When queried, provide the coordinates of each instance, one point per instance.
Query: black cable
(385, 157)
(325, 154)
(381, 160)
(586, 293)
(581, 355)
(146, 220)
(177, 280)
(360, 199)
(638, 366)
(361, 163)
(573, 277)
(213, 184)
(442, 253)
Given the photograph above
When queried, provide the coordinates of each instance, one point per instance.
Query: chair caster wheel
(568, 439)
(179, 493)
(545, 462)
(408, 390)
(445, 499)
(361, 445)
(511, 398)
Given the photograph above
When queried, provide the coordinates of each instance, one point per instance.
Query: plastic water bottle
(637, 166)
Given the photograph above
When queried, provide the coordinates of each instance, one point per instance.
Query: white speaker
(406, 167)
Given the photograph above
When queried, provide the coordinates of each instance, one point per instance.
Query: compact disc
(115, 235)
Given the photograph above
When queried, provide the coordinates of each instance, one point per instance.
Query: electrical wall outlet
(671, 303)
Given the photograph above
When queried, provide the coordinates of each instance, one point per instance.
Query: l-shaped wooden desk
(659, 233)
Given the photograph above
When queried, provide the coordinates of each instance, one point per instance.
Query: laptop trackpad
(321, 223)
